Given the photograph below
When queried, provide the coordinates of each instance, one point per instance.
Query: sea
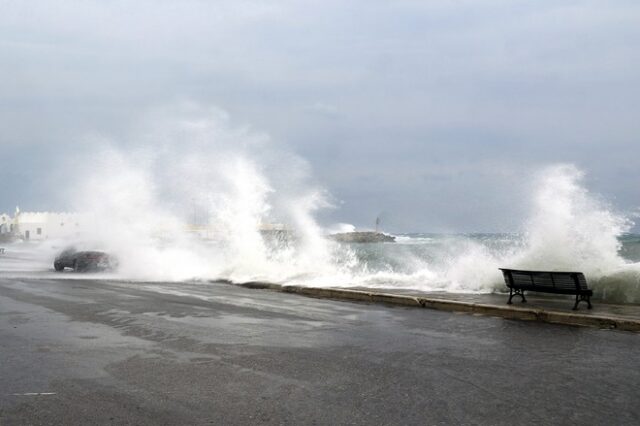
(424, 262)
(468, 263)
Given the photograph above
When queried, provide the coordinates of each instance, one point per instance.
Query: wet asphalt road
(105, 352)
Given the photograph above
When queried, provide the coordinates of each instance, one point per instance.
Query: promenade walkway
(539, 307)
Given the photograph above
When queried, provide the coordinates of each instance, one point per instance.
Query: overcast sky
(431, 113)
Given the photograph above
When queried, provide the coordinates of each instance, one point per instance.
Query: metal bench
(520, 281)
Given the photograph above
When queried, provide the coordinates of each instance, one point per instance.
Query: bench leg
(582, 298)
(518, 292)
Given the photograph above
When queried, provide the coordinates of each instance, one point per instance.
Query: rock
(363, 237)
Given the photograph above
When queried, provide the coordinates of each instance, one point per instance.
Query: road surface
(91, 351)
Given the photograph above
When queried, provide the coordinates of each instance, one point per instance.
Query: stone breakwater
(362, 237)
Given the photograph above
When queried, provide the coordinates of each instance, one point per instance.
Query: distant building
(39, 226)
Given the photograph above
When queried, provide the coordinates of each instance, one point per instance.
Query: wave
(193, 170)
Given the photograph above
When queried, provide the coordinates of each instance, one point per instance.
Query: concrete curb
(503, 311)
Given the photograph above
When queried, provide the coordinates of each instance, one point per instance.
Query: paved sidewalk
(539, 307)
(534, 301)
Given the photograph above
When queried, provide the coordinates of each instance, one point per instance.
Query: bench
(520, 281)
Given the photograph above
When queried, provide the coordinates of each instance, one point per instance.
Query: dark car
(82, 261)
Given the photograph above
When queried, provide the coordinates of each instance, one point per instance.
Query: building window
(39, 231)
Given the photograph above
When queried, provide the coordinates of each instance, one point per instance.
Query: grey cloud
(410, 107)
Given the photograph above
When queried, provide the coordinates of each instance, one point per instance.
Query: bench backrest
(544, 280)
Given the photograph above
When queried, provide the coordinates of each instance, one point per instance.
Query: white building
(39, 226)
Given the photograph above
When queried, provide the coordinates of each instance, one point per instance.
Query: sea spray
(120, 192)
(235, 214)
(570, 228)
(187, 201)
(200, 175)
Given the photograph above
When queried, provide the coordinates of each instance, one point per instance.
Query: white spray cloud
(571, 228)
(188, 196)
(568, 228)
(190, 171)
